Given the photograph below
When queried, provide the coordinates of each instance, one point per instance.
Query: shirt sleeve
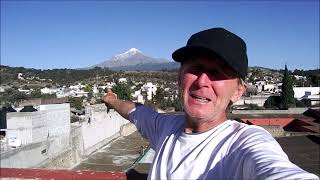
(263, 158)
(153, 125)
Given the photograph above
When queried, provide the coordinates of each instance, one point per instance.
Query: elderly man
(203, 143)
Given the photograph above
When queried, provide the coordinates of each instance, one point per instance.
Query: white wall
(299, 92)
(19, 127)
(103, 125)
(27, 126)
(57, 118)
(259, 100)
(33, 127)
(33, 154)
(81, 141)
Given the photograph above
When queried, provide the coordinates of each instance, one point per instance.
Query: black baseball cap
(217, 42)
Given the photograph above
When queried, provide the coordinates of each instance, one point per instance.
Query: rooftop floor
(303, 151)
(117, 156)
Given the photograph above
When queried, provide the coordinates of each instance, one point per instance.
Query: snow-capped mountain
(131, 57)
(130, 52)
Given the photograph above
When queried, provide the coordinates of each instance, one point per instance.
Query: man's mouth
(200, 98)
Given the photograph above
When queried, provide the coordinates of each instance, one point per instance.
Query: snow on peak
(134, 50)
(128, 53)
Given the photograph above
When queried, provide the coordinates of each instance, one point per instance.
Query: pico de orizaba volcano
(134, 59)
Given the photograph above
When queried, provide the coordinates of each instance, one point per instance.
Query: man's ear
(238, 92)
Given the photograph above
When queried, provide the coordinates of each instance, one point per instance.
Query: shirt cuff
(132, 110)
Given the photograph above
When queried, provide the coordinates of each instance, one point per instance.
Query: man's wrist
(112, 102)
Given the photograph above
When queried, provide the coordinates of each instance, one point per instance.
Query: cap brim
(187, 52)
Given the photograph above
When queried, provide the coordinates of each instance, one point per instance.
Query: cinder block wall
(60, 147)
(57, 118)
(45, 134)
(103, 127)
(32, 127)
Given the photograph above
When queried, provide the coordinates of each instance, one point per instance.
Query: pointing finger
(109, 90)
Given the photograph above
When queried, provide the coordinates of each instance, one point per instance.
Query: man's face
(207, 86)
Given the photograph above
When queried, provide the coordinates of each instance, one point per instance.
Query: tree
(35, 93)
(122, 90)
(12, 96)
(88, 88)
(287, 94)
(159, 96)
(76, 102)
(177, 104)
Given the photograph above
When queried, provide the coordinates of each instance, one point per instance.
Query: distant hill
(9, 75)
(149, 67)
(134, 59)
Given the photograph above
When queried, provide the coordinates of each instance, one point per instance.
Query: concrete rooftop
(303, 151)
(117, 156)
(120, 155)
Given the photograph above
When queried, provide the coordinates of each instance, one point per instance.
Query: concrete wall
(61, 149)
(299, 92)
(259, 100)
(289, 111)
(25, 156)
(282, 122)
(33, 154)
(103, 127)
(57, 118)
(19, 125)
(33, 127)
(275, 131)
(127, 129)
(44, 134)
(72, 154)
(86, 138)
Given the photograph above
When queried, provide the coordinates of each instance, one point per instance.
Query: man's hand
(109, 97)
(122, 107)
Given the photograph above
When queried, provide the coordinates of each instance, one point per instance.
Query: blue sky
(74, 34)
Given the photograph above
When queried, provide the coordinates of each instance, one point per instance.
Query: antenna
(97, 78)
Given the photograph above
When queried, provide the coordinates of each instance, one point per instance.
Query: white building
(136, 93)
(26, 91)
(80, 94)
(110, 84)
(122, 80)
(270, 88)
(297, 77)
(140, 99)
(33, 127)
(311, 93)
(304, 92)
(20, 76)
(65, 92)
(76, 87)
(49, 90)
(150, 89)
(138, 96)
(95, 89)
(103, 87)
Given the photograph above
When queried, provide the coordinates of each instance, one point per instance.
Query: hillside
(57, 77)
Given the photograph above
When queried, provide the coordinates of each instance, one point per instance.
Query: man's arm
(265, 159)
(122, 107)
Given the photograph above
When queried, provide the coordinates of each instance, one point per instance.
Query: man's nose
(203, 80)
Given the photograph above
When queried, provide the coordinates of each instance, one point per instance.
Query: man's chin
(202, 115)
(197, 117)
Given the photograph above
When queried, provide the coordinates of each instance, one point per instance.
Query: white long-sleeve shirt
(231, 150)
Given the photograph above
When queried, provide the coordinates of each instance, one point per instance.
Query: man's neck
(200, 126)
